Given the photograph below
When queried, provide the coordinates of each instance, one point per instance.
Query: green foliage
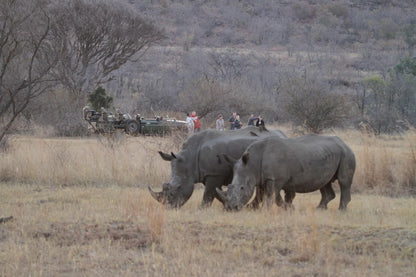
(99, 99)
(403, 83)
(375, 83)
(406, 66)
(409, 32)
(391, 104)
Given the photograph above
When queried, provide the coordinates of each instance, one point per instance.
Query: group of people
(235, 122)
(194, 126)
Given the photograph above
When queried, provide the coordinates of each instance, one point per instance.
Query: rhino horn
(263, 129)
(159, 196)
(222, 195)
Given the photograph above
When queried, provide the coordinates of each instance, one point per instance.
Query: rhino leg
(289, 196)
(327, 195)
(255, 204)
(260, 191)
(345, 176)
(272, 187)
(269, 188)
(345, 195)
(279, 200)
(211, 183)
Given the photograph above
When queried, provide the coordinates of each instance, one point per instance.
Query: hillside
(275, 58)
(256, 45)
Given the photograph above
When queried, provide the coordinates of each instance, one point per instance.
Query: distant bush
(312, 106)
(338, 10)
(388, 29)
(304, 12)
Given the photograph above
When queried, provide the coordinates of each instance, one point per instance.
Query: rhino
(199, 161)
(296, 165)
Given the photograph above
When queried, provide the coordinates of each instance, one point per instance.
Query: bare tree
(25, 59)
(228, 65)
(205, 96)
(313, 106)
(95, 38)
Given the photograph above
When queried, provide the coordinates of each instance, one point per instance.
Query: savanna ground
(80, 207)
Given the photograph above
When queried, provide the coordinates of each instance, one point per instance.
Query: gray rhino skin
(302, 165)
(199, 161)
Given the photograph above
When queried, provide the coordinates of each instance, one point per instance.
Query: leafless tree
(25, 59)
(313, 106)
(95, 38)
(228, 65)
(205, 96)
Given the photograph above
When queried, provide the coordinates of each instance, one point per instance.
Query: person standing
(260, 122)
(190, 123)
(237, 123)
(251, 120)
(197, 124)
(220, 123)
(231, 120)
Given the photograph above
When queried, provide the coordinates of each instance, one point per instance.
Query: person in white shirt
(220, 123)
(190, 122)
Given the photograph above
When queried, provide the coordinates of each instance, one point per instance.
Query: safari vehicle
(105, 122)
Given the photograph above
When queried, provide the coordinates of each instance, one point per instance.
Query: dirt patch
(128, 234)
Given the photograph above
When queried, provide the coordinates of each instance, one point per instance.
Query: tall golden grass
(96, 161)
(385, 164)
(80, 207)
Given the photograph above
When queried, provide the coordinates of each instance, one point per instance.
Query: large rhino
(199, 161)
(303, 164)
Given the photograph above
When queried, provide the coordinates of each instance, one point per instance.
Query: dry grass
(80, 208)
(95, 161)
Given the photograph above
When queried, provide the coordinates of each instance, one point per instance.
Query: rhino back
(211, 161)
(200, 151)
(302, 164)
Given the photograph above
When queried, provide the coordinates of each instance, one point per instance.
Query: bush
(314, 107)
(99, 99)
(304, 12)
(338, 10)
(388, 29)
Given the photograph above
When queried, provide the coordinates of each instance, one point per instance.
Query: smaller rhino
(296, 165)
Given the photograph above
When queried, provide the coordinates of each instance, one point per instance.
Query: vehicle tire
(132, 127)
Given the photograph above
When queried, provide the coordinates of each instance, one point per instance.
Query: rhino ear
(245, 157)
(263, 129)
(219, 159)
(167, 157)
(229, 159)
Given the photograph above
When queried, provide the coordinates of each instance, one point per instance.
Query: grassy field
(80, 207)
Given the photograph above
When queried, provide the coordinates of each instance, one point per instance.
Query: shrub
(99, 99)
(314, 107)
(304, 12)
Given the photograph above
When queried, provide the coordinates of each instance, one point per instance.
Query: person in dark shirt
(231, 120)
(260, 122)
(237, 123)
(251, 120)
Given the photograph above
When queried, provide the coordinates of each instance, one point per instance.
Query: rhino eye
(242, 188)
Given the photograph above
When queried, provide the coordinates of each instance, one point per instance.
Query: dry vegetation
(81, 207)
